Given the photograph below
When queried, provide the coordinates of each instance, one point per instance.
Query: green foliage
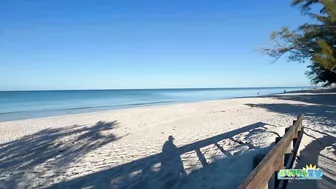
(304, 4)
(326, 58)
(314, 43)
(317, 74)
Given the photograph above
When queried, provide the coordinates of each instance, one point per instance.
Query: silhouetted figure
(171, 163)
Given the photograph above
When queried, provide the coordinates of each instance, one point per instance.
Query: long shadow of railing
(320, 108)
(144, 173)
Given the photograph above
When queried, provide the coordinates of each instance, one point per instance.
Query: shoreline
(125, 107)
(215, 142)
(139, 108)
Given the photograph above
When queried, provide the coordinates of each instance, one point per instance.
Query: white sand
(124, 149)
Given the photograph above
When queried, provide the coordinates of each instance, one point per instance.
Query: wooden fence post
(296, 134)
(300, 126)
(288, 152)
(274, 161)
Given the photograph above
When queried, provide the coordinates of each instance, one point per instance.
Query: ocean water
(16, 105)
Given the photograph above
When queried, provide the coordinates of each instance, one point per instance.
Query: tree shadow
(319, 108)
(48, 152)
(166, 170)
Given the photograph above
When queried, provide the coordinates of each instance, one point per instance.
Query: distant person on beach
(284, 91)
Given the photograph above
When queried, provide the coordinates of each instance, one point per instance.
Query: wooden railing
(281, 156)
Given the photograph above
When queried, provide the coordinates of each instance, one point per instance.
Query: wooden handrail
(289, 164)
(273, 161)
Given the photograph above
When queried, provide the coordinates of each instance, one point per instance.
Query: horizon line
(155, 88)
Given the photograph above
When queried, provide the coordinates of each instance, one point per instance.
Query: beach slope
(193, 145)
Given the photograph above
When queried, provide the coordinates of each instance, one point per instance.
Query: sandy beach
(193, 145)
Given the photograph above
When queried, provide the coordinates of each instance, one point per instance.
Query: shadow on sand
(51, 148)
(321, 108)
(165, 170)
(321, 111)
(313, 154)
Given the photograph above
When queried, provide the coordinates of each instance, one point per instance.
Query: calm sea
(17, 105)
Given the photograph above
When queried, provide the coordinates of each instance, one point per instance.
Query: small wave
(47, 110)
(149, 103)
(86, 107)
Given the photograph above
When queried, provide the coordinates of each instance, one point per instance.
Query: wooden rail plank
(290, 163)
(273, 161)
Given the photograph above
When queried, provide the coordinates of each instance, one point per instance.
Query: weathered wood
(281, 161)
(295, 149)
(300, 126)
(296, 133)
(288, 152)
(291, 160)
(287, 128)
(272, 162)
(256, 160)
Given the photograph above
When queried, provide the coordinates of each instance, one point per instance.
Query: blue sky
(92, 44)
